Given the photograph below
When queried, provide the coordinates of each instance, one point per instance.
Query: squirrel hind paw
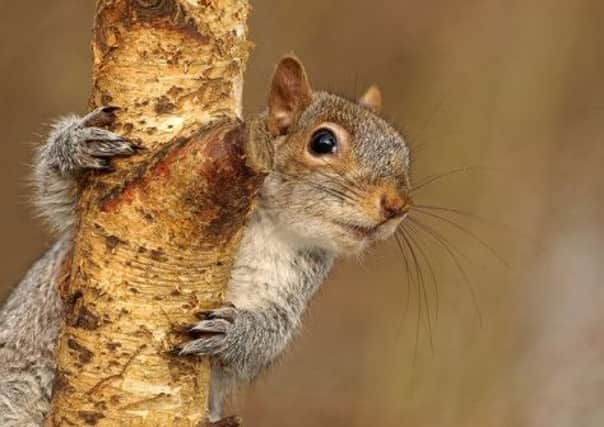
(233, 421)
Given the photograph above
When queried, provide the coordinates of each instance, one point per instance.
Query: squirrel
(339, 183)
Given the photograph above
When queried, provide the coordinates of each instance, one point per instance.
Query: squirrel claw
(102, 116)
(233, 421)
(106, 167)
(208, 340)
(209, 327)
(110, 109)
(228, 313)
(210, 335)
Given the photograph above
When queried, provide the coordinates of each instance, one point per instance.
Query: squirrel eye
(323, 142)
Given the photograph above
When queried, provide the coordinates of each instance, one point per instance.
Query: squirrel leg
(74, 146)
(217, 393)
(219, 386)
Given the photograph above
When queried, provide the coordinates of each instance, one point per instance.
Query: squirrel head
(340, 172)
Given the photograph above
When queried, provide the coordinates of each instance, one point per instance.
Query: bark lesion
(168, 14)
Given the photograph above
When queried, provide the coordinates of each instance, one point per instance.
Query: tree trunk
(157, 237)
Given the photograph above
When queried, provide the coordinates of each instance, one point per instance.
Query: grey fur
(303, 222)
(29, 325)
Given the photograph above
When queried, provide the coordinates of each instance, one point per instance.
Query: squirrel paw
(210, 334)
(226, 422)
(82, 145)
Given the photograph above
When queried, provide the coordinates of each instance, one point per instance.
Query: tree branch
(157, 237)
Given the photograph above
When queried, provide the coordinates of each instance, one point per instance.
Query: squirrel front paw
(244, 342)
(78, 143)
(212, 334)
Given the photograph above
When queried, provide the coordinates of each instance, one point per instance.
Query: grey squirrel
(339, 183)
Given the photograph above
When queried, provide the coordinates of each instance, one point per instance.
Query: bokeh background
(510, 90)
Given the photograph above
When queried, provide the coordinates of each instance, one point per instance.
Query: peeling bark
(157, 237)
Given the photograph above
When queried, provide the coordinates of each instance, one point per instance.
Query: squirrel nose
(394, 205)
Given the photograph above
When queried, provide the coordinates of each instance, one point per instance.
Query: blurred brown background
(512, 89)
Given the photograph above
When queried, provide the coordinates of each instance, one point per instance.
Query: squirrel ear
(290, 94)
(372, 99)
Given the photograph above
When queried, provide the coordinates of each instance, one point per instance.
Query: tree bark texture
(156, 237)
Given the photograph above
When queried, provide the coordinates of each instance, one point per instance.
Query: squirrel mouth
(357, 230)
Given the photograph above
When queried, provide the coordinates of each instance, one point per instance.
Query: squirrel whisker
(469, 233)
(437, 177)
(453, 252)
(422, 296)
